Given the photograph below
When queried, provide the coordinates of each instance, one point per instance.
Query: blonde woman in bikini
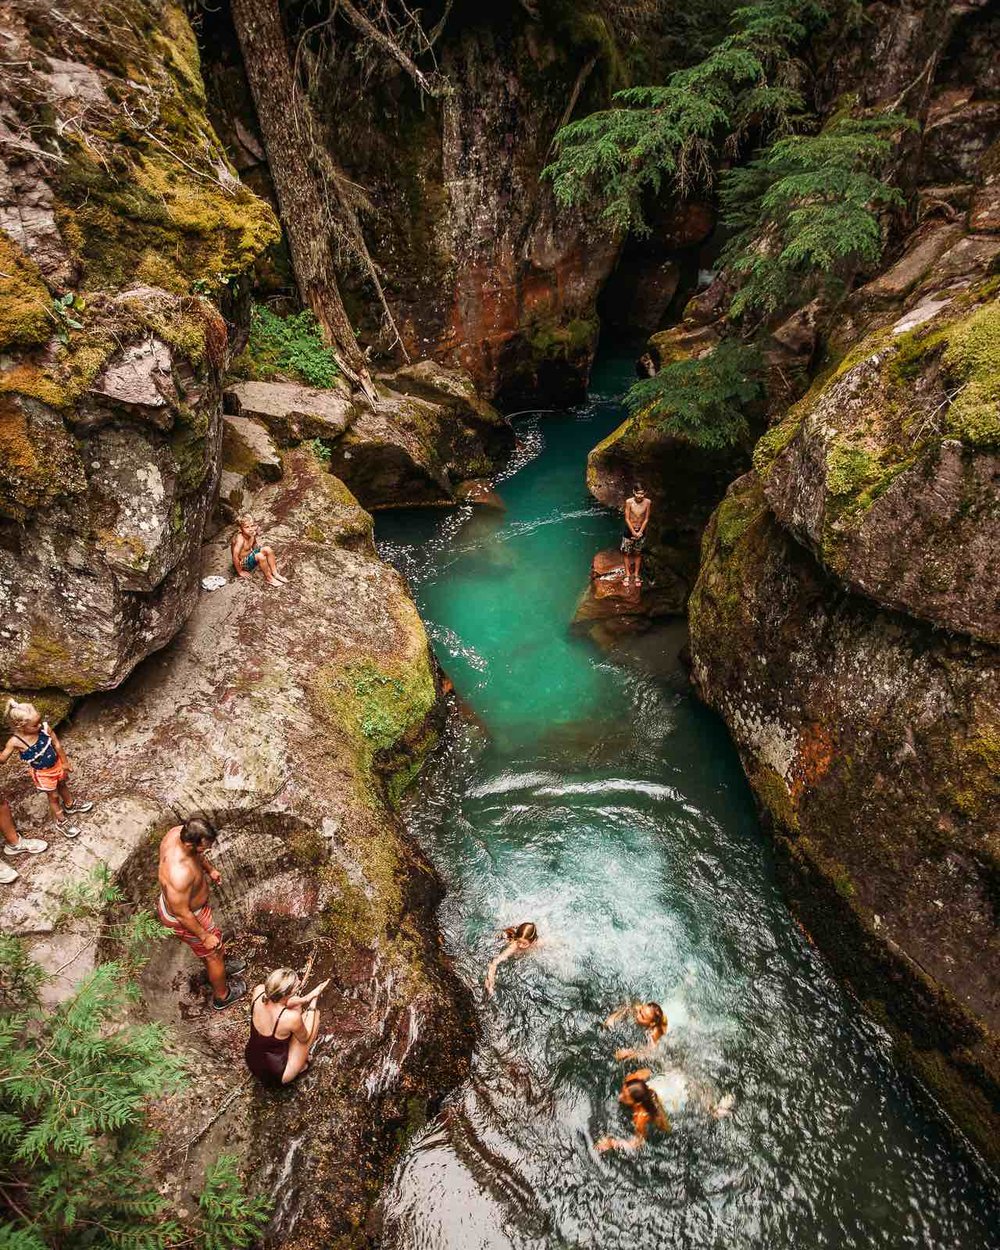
(283, 1028)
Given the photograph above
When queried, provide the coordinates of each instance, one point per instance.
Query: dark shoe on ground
(78, 808)
(237, 988)
(233, 966)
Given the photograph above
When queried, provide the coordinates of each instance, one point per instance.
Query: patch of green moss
(39, 462)
(773, 442)
(773, 792)
(308, 849)
(972, 359)
(25, 302)
(975, 786)
(849, 469)
(548, 339)
(733, 517)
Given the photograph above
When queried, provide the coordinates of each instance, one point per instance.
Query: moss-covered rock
(118, 212)
(870, 741)
(888, 467)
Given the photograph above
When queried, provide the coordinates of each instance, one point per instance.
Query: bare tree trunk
(285, 130)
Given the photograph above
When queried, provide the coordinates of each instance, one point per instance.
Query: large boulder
(105, 488)
(428, 432)
(871, 742)
(890, 468)
(109, 368)
(295, 716)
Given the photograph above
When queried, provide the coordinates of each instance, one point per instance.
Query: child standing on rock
(37, 745)
(248, 553)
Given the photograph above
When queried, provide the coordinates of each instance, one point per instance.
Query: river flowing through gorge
(601, 801)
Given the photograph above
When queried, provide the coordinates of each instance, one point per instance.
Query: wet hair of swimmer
(198, 829)
(525, 932)
(280, 983)
(638, 489)
(659, 1019)
(642, 1096)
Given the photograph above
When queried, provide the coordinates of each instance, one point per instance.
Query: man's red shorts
(204, 917)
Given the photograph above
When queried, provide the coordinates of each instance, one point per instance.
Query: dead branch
(362, 24)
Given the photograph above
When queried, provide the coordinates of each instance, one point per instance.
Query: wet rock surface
(292, 715)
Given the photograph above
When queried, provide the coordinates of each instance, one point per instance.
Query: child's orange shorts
(48, 779)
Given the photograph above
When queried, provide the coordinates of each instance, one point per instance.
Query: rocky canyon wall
(481, 270)
(844, 622)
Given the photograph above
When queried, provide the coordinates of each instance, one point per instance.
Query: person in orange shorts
(37, 745)
(184, 908)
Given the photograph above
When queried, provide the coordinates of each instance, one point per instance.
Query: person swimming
(520, 939)
(648, 1016)
(643, 1104)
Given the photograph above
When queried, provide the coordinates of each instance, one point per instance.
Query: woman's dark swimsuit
(267, 1056)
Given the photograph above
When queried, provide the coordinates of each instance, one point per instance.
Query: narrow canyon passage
(604, 803)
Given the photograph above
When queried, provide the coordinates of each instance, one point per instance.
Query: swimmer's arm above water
(509, 951)
(633, 1143)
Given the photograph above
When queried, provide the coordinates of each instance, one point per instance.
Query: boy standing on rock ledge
(637, 508)
(183, 905)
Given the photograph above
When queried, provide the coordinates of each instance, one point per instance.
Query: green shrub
(288, 346)
(704, 401)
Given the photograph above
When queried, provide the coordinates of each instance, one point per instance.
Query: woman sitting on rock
(248, 553)
(281, 1033)
(640, 1100)
(648, 1016)
(41, 750)
(520, 939)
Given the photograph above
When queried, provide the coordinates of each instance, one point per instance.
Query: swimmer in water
(520, 939)
(648, 1016)
(641, 1101)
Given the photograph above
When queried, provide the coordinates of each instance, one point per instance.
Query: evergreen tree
(807, 212)
(704, 401)
(673, 133)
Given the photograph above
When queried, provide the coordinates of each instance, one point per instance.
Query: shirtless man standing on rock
(637, 509)
(184, 908)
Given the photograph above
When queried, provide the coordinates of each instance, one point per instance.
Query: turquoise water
(605, 804)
